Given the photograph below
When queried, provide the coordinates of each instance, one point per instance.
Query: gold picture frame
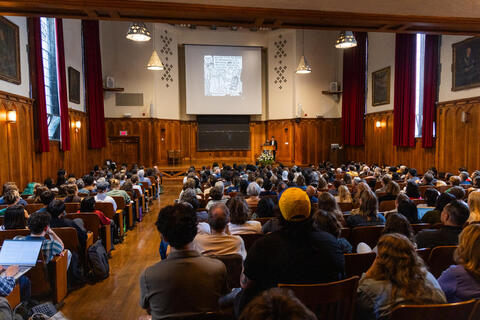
(9, 52)
(381, 87)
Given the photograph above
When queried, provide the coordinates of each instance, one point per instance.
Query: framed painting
(9, 51)
(466, 64)
(381, 87)
(73, 85)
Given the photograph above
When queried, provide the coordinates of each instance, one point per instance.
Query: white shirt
(137, 187)
(219, 244)
(102, 197)
(203, 228)
(246, 228)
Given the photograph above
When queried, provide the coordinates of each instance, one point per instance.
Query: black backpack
(98, 261)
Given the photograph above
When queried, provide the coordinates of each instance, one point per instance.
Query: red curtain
(62, 88)
(404, 98)
(38, 85)
(430, 88)
(93, 83)
(353, 100)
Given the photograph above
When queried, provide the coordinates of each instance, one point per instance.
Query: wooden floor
(118, 296)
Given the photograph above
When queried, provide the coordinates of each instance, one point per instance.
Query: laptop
(22, 253)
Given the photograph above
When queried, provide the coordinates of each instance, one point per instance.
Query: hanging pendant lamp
(345, 40)
(138, 32)
(154, 63)
(303, 66)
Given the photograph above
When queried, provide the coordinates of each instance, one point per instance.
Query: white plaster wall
(323, 57)
(446, 60)
(381, 54)
(22, 89)
(72, 38)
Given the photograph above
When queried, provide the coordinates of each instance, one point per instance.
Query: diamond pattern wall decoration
(166, 52)
(280, 68)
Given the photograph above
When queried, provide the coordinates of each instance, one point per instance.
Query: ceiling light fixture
(138, 32)
(303, 66)
(345, 40)
(154, 63)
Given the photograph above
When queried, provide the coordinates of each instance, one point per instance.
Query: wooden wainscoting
(20, 162)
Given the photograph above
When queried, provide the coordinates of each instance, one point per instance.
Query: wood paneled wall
(20, 162)
(303, 142)
(457, 143)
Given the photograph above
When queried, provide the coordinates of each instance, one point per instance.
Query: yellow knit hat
(294, 204)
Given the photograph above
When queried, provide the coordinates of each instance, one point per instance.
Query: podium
(268, 149)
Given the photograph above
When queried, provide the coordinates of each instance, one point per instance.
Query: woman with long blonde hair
(397, 276)
(344, 195)
(461, 282)
(474, 206)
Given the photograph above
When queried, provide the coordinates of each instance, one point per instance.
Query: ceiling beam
(154, 11)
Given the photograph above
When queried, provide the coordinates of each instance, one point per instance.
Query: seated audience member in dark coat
(408, 208)
(433, 216)
(56, 208)
(328, 222)
(185, 282)
(453, 217)
(297, 254)
(367, 214)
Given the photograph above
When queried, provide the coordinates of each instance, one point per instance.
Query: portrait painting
(73, 85)
(466, 64)
(9, 51)
(381, 87)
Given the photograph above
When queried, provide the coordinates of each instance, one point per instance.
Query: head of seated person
(467, 253)
(277, 304)
(392, 188)
(178, 225)
(368, 205)
(413, 190)
(190, 196)
(102, 186)
(455, 213)
(407, 207)
(218, 217)
(427, 179)
(442, 200)
(87, 204)
(253, 190)
(458, 192)
(11, 196)
(127, 186)
(80, 184)
(328, 222)
(398, 223)
(454, 181)
(239, 210)
(14, 218)
(56, 208)
(72, 190)
(265, 208)
(88, 180)
(38, 223)
(216, 194)
(431, 196)
(49, 183)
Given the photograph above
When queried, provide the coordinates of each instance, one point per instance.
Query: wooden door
(124, 149)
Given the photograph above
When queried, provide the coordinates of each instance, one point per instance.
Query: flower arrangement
(266, 159)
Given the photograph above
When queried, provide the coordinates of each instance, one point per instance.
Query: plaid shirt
(50, 248)
(6, 285)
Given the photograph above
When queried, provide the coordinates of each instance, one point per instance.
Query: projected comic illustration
(222, 76)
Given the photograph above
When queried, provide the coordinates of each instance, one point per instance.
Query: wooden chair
(476, 311)
(367, 234)
(124, 207)
(92, 223)
(33, 207)
(424, 253)
(345, 233)
(386, 205)
(417, 227)
(136, 208)
(459, 311)
(263, 220)
(334, 300)
(422, 190)
(10, 234)
(234, 265)
(442, 189)
(72, 207)
(14, 297)
(107, 209)
(440, 259)
(346, 207)
(358, 263)
(419, 201)
(249, 239)
(70, 241)
(200, 316)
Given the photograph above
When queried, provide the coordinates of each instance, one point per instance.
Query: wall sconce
(12, 116)
(378, 124)
(76, 125)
